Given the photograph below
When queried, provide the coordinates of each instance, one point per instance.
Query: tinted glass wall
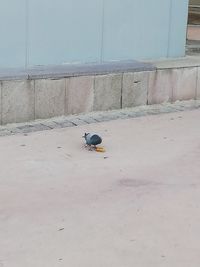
(43, 32)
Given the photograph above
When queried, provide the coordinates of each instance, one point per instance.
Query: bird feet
(90, 148)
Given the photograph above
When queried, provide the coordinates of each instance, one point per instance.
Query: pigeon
(92, 139)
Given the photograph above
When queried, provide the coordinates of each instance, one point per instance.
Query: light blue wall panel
(44, 32)
(64, 31)
(12, 33)
(136, 29)
(178, 26)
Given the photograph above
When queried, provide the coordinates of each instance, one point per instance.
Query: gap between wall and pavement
(97, 117)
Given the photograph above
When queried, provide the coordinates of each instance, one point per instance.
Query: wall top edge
(74, 70)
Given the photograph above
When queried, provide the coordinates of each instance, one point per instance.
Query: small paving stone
(87, 119)
(152, 112)
(41, 127)
(26, 128)
(115, 115)
(104, 118)
(167, 110)
(51, 124)
(15, 130)
(123, 115)
(108, 118)
(179, 108)
(77, 121)
(5, 132)
(138, 114)
(65, 124)
(97, 117)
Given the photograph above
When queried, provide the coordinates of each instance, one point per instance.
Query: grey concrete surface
(17, 101)
(138, 204)
(49, 98)
(73, 70)
(186, 83)
(79, 94)
(189, 61)
(107, 92)
(135, 89)
(160, 86)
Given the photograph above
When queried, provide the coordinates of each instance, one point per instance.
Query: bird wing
(95, 139)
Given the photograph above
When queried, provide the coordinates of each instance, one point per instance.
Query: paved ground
(138, 204)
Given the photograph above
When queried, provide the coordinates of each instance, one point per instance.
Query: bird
(92, 139)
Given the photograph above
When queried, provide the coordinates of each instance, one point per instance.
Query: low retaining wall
(42, 93)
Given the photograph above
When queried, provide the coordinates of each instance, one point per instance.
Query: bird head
(84, 136)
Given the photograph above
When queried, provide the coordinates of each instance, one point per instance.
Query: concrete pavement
(138, 204)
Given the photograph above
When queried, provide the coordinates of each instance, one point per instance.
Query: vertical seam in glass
(170, 27)
(27, 33)
(102, 30)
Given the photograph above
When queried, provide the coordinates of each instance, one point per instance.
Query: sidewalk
(138, 204)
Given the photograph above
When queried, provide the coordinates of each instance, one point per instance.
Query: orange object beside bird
(100, 149)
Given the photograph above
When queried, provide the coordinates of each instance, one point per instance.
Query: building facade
(49, 32)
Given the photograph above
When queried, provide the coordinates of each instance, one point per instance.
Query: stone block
(193, 32)
(198, 84)
(160, 86)
(5, 133)
(17, 101)
(87, 118)
(134, 89)
(49, 98)
(76, 121)
(65, 123)
(79, 95)
(107, 92)
(184, 83)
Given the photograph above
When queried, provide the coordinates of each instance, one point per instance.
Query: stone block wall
(25, 100)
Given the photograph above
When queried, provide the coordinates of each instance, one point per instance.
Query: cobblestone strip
(95, 117)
